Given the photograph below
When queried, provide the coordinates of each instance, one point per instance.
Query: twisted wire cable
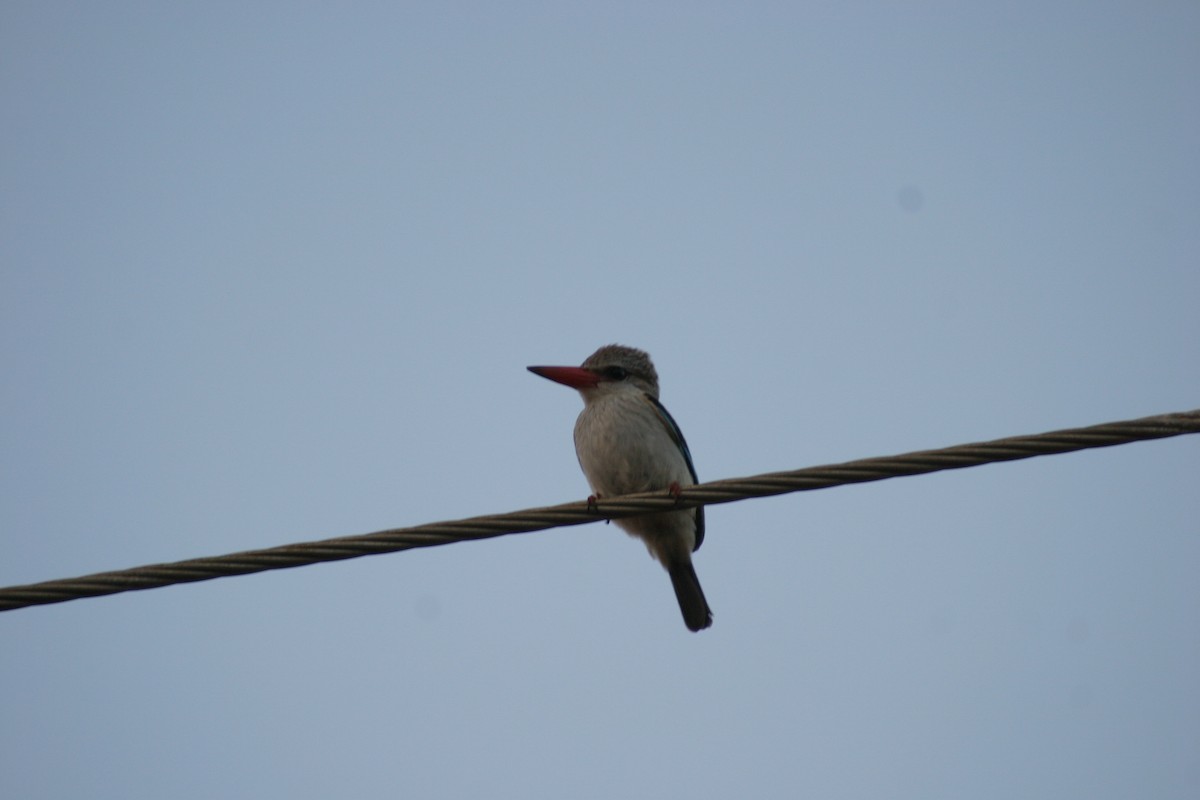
(722, 491)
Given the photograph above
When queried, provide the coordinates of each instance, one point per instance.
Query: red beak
(575, 377)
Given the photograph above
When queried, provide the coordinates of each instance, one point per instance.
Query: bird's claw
(593, 505)
(675, 491)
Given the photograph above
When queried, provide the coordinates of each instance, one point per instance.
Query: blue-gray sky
(272, 272)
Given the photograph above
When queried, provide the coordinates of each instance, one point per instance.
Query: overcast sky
(272, 272)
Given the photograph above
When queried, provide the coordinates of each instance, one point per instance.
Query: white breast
(623, 447)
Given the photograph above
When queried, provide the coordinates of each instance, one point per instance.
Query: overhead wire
(528, 520)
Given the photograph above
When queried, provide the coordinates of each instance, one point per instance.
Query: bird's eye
(616, 373)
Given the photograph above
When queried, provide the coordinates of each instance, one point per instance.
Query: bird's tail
(696, 613)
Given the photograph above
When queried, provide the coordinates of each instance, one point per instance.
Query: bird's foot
(675, 491)
(594, 505)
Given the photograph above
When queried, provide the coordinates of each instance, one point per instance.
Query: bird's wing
(676, 435)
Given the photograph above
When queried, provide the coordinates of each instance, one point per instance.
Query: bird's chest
(623, 448)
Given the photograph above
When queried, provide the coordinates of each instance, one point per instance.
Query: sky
(272, 272)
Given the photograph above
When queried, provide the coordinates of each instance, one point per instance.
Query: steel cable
(723, 491)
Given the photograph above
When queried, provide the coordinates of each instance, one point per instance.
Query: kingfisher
(627, 443)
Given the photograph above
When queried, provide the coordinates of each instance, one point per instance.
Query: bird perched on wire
(628, 443)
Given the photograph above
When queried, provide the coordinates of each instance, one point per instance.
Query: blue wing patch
(676, 435)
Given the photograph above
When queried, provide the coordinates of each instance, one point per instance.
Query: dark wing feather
(676, 435)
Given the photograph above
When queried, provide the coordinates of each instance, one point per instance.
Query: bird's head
(612, 368)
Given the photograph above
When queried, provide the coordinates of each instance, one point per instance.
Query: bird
(627, 443)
